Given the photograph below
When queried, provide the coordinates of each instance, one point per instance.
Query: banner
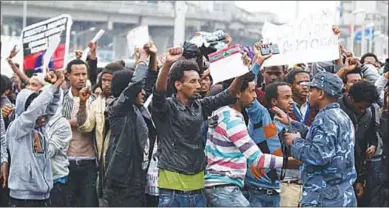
(308, 39)
(226, 64)
(137, 37)
(46, 44)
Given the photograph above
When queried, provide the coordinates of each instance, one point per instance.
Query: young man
(279, 94)
(327, 150)
(94, 119)
(230, 150)
(30, 178)
(81, 185)
(178, 122)
(302, 111)
(127, 168)
(358, 106)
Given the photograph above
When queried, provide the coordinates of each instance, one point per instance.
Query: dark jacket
(127, 168)
(181, 147)
(365, 134)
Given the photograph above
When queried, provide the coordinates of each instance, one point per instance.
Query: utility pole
(352, 27)
(24, 14)
(179, 22)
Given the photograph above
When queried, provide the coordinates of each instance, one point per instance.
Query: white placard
(137, 37)
(94, 40)
(227, 64)
(308, 39)
(37, 39)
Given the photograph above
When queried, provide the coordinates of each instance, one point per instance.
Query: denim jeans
(376, 190)
(259, 198)
(58, 195)
(226, 196)
(173, 198)
(81, 185)
(28, 203)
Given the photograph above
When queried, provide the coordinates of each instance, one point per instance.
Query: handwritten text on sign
(308, 39)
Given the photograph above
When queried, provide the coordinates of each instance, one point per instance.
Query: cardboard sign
(137, 37)
(46, 44)
(226, 64)
(308, 39)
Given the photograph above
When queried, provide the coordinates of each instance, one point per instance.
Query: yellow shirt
(181, 182)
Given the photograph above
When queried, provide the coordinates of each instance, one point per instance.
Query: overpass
(117, 17)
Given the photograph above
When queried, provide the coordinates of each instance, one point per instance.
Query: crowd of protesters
(163, 134)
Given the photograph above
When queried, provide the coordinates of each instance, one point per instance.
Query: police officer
(326, 148)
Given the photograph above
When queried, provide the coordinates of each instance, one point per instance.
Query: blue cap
(330, 83)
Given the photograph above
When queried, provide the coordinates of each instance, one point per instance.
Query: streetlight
(78, 34)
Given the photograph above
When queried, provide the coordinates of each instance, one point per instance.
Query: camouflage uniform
(327, 152)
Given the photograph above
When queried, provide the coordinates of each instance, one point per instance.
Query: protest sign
(137, 37)
(94, 40)
(227, 64)
(50, 37)
(308, 39)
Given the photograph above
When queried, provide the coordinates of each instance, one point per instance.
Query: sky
(286, 10)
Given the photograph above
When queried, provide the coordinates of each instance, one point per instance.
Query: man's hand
(386, 75)
(336, 30)
(228, 40)
(92, 50)
(259, 58)
(84, 94)
(370, 151)
(359, 190)
(289, 137)
(280, 115)
(78, 54)
(151, 48)
(351, 64)
(13, 52)
(4, 174)
(7, 110)
(51, 77)
(173, 55)
(246, 59)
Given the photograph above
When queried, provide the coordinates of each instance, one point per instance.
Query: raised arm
(92, 62)
(26, 120)
(128, 97)
(23, 77)
(237, 133)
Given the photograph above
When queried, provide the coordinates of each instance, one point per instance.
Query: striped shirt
(229, 150)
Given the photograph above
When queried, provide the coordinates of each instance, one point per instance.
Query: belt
(222, 185)
(194, 192)
(292, 181)
(262, 190)
(82, 162)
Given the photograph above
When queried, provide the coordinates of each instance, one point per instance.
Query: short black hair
(249, 77)
(368, 55)
(357, 70)
(6, 84)
(271, 91)
(291, 76)
(75, 62)
(178, 69)
(364, 91)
